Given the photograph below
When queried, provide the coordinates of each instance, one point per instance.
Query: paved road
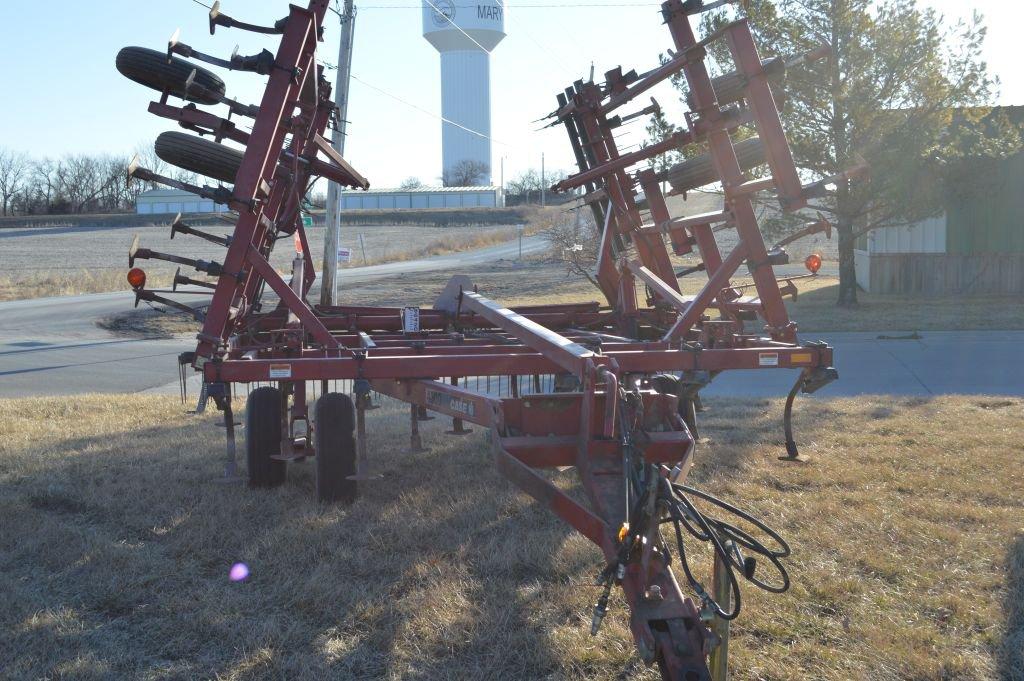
(51, 346)
(939, 362)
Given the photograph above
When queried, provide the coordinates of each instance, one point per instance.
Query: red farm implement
(606, 387)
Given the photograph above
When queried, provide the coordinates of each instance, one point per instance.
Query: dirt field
(908, 552)
(63, 260)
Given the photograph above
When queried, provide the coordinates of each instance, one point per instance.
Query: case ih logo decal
(445, 401)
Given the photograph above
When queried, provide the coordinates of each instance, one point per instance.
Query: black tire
(199, 155)
(150, 68)
(333, 423)
(263, 438)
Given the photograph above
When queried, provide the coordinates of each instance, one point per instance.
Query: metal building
(171, 201)
(423, 197)
(465, 34)
(974, 247)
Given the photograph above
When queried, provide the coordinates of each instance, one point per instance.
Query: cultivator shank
(607, 388)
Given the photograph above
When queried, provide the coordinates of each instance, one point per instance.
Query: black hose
(723, 536)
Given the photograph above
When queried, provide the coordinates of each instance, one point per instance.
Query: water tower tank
(465, 34)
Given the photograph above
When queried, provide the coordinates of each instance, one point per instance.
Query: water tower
(465, 34)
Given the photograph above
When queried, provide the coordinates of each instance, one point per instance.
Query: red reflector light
(813, 263)
(136, 277)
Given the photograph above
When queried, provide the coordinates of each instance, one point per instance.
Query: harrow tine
(187, 281)
(234, 106)
(152, 297)
(210, 267)
(179, 227)
(218, 18)
(222, 195)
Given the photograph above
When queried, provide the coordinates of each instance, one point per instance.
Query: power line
(553, 53)
(203, 4)
(531, 6)
(449, 20)
(429, 113)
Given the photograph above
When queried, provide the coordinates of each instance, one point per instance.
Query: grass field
(115, 546)
(815, 307)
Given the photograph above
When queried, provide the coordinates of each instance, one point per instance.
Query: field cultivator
(608, 388)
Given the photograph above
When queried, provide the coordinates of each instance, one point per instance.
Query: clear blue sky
(63, 95)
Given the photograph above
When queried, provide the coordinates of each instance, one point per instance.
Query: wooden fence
(947, 274)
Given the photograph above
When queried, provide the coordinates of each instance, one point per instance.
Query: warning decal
(768, 359)
(280, 371)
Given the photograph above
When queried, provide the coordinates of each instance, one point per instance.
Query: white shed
(423, 197)
(171, 201)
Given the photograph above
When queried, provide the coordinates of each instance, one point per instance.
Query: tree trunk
(847, 269)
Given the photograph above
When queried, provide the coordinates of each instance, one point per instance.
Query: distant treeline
(75, 183)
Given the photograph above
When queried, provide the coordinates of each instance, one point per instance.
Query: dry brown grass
(815, 307)
(447, 243)
(115, 545)
(94, 259)
(44, 283)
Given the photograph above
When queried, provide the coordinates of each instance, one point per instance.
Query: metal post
(719, 662)
(230, 462)
(415, 441)
(332, 229)
(543, 182)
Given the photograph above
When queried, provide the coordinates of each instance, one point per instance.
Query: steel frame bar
(619, 185)
(505, 364)
(570, 356)
(718, 281)
(258, 165)
(724, 159)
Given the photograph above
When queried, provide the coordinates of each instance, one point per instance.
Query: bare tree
(573, 239)
(14, 169)
(411, 183)
(43, 185)
(465, 173)
(148, 159)
(83, 179)
(526, 187)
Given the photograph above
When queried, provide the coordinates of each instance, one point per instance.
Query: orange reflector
(813, 263)
(136, 277)
(623, 531)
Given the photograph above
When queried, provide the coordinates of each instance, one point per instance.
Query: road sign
(344, 254)
(307, 220)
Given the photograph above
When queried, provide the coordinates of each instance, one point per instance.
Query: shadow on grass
(115, 558)
(1012, 658)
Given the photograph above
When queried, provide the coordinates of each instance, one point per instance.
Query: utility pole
(332, 229)
(543, 183)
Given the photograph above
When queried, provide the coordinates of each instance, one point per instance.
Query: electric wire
(429, 113)
(534, 5)
(456, 26)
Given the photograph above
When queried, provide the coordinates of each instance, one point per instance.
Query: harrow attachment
(608, 388)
